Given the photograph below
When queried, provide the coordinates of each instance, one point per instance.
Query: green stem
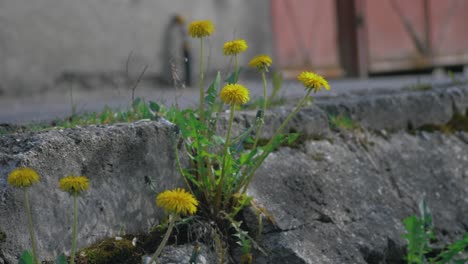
(225, 153)
(265, 153)
(75, 220)
(165, 239)
(202, 91)
(30, 227)
(259, 131)
(236, 69)
(181, 171)
(72, 102)
(201, 160)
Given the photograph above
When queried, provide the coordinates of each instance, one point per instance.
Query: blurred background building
(45, 43)
(361, 37)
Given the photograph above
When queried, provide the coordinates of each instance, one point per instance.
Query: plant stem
(75, 220)
(179, 167)
(201, 114)
(202, 91)
(259, 130)
(72, 104)
(165, 239)
(236, 69)
(181, 171)
(30, 227)
(220, 188)
(265, 153)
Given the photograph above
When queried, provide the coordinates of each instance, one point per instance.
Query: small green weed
(342, 122)
(27, 258)
(420, 87)
(277, 85)
(420, 233)
(458, 122)
(140, 109)
(455, 80)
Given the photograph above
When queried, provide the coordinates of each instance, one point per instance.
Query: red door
(449, 31)
(375, 35)
(305, 36)
(414, 34)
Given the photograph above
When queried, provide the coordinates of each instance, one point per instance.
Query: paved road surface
(54, 103)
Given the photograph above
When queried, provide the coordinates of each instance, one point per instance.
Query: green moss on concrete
(459, 122)
(343, 123)
(111, 251)
(420, 87)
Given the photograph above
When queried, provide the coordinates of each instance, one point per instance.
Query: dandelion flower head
(177, 201)
(23, 177)
(313, 81)
(74, 184)
(235, 47)
(200, 28)
(261, 62)
(234, 94)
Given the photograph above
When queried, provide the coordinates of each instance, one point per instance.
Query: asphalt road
(56, 103)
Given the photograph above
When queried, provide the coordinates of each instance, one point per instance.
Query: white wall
(41, 39)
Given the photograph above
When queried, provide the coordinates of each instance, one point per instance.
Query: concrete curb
(117, 159)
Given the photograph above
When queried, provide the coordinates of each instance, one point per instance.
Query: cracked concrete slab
(348, 206)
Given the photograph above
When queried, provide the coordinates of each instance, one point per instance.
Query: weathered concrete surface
(343, 199)
(396, 110)
(46, 41)
(183, 253)
(116, 159)
(340, 197)
(389, 110)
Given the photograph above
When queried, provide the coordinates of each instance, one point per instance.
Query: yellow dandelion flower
(200, 28)
(177, 201)
(74, 184)
(261, 62)
(234, 94)
(23, 177)
(235, 47)
(313, 81)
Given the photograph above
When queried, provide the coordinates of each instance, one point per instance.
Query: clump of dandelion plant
(177, 203)
(74, 185)
(222, 166)
(24, 178)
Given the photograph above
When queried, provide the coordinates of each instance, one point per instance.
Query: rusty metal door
(416, 34)
(305, 36)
